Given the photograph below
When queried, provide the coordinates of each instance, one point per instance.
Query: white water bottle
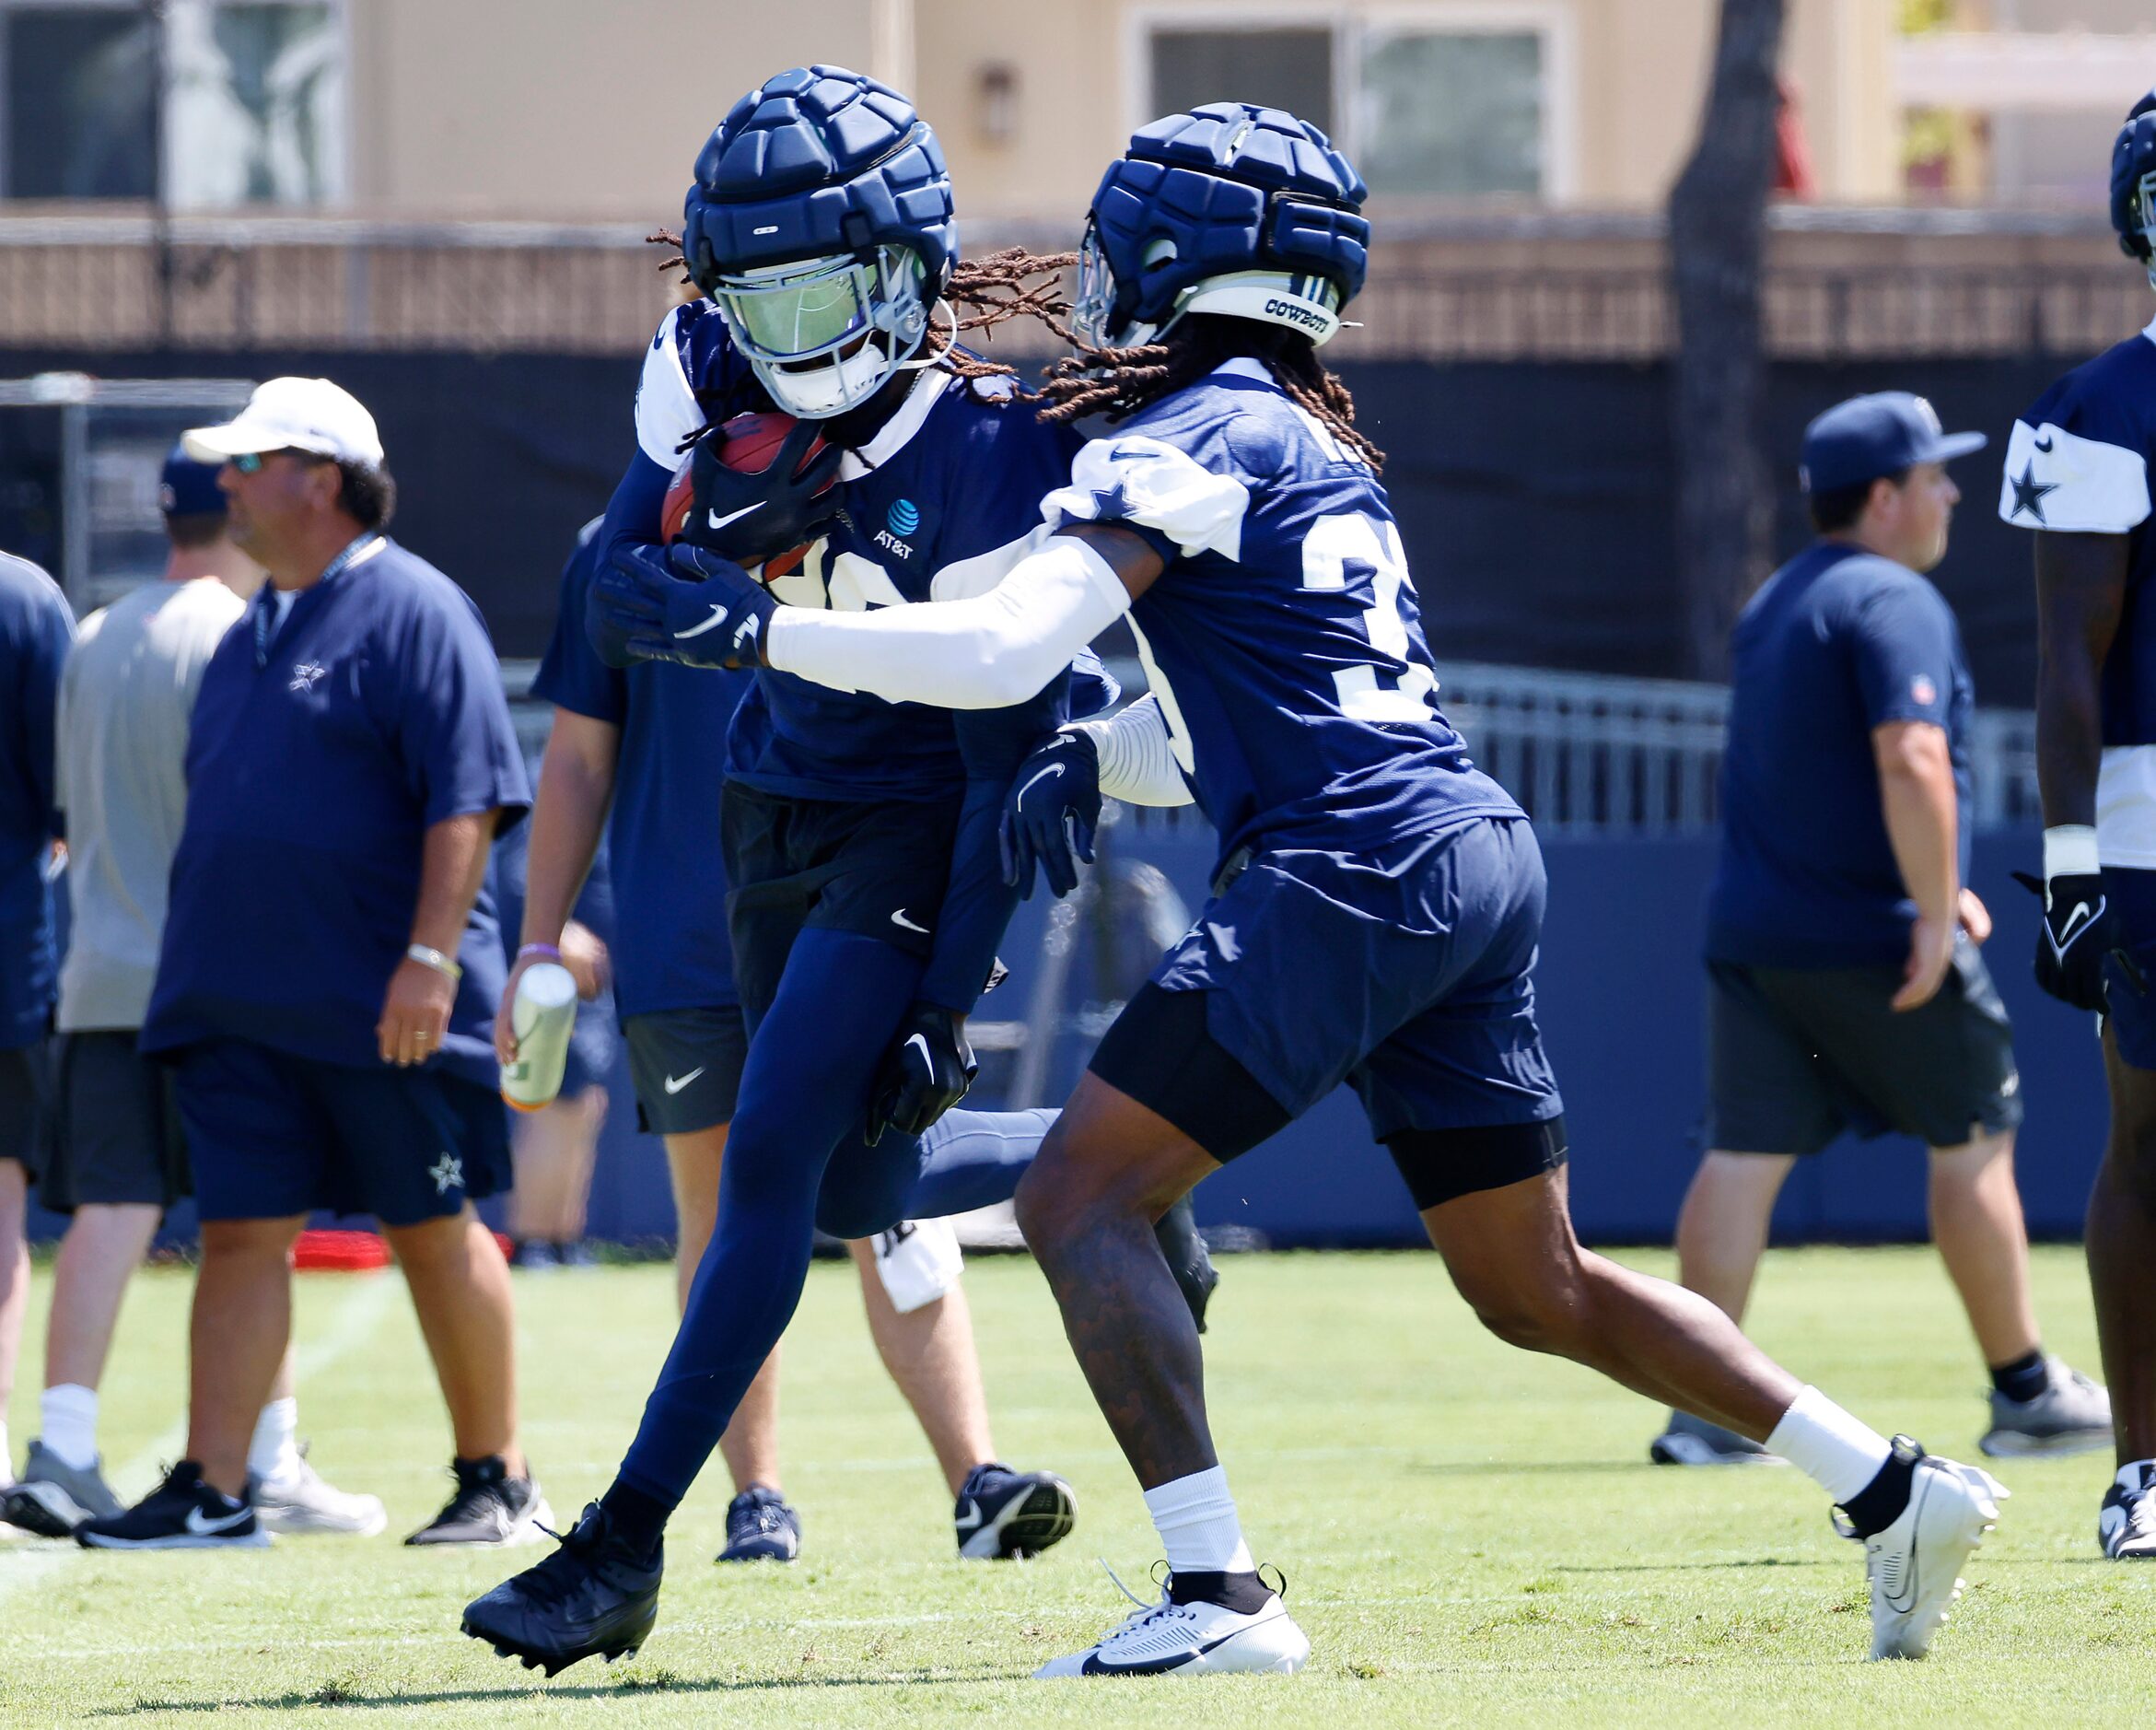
(541, 1017)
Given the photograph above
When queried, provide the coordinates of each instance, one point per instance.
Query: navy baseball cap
(188, 488)
(1869, 437)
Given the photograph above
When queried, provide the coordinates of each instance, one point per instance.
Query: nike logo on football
(213, 1525)
(717, 618)
(712, 519)
(1053, 769)
(899, 919)
(675, 1083)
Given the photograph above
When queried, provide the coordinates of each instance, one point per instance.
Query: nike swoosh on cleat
(970, 1520)
(712, 519)
(1093, 1667)
(899, 919)
(1043, 774)
(215, 1525)
(674, 1084)
(718, 618)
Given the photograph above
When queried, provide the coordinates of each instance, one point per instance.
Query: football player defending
(1377, 899)
(2077, 470)
(860, 838)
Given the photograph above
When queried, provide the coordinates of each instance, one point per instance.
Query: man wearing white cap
(329, 964)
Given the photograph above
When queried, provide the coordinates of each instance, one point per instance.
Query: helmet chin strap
(918, 363)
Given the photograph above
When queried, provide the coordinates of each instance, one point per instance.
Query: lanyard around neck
(266, 619)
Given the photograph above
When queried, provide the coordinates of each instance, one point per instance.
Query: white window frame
(340, 21)
(1352, 22)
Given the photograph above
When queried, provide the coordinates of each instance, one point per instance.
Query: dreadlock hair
(1118, 383)
(981, 293)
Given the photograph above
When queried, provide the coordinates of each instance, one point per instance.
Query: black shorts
(1797, 1054)
(877, 868)
(1161, 1052)
(687, 1065)
(116, 1137)
(25, 1104)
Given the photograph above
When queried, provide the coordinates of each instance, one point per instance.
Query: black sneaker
(1188, 1259)
(183, 1512)
(761, 1525)
(1004, 1514)
(489, 1507)
(594, 1598)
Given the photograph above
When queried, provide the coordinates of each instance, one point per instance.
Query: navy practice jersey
(2080, 462)
(1835, 644)
(939, 506)
(669, 946)
(1283, 641)
(322, 750)
(36, 629)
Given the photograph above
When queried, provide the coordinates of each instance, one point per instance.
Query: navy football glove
(686, 605)
(751, 517)
(2077, 933)
(1050, 814)
(925, 1072)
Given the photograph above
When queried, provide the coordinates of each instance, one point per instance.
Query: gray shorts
(687, 1067)
(1795, 1056)
(116, 1130)
(25, 1104)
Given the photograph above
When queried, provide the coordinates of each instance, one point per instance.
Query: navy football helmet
(2133, 184)
(1232, 209)
(821, 224)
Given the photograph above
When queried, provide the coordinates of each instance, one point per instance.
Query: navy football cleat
(761, 1525)
(594, 1597)
(1004, 1515)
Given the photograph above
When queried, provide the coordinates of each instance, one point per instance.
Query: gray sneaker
(2071, 1416)
(52, 1498)
(297, 1504)
(1691, 1441)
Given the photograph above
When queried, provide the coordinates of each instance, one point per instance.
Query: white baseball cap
(293, 414)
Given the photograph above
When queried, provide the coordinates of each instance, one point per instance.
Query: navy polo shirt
(36, 630)
(321, 751)
(1836, 643)
(670, 949)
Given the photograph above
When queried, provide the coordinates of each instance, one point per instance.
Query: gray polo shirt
(125, 698)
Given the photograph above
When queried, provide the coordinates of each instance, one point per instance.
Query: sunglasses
(251, 461)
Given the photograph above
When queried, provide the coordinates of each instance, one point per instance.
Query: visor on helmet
(1301, 301)
(824, 333)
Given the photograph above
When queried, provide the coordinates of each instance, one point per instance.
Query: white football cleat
(297, 1501)
(1914, 1565)
(1195, 1639)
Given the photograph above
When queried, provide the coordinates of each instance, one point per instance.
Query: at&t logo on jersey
(901, 518)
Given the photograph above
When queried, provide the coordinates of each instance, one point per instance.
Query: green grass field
(1470, 1536)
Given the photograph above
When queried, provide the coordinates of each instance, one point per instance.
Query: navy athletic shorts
(2130, 1002)
(270, 1135)
(875, 867)
(687, 1064)
(1435, 1031)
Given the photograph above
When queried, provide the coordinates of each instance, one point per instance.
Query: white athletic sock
(272, 1452)
(1835, 1451)
(1195, 1518)
(68, 1417)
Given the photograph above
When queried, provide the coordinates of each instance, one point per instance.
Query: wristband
(548, 949)
(444, 964)
(2069, 850)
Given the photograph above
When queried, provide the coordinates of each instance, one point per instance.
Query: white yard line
(352, 1323)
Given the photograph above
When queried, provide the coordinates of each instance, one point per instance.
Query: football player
(1377, 901)
(859, 839)
(2077, 472)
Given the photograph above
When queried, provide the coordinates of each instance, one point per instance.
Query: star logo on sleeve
(2029, 492)
(447, 1175)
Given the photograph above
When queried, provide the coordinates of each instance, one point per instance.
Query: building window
(230, 102)
(1436, 100)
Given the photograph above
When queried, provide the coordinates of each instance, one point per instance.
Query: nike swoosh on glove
(927, 1071)
(751, 517)
(1050, 814)
(688, 607)
(2078, 931)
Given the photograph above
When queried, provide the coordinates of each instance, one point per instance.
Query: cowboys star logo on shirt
(306, 674)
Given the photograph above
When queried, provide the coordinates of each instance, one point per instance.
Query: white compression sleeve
(986, 652)
(1137, 763)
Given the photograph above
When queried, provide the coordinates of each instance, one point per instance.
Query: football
(746, 445)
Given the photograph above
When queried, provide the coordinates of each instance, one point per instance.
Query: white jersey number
(1351, 537)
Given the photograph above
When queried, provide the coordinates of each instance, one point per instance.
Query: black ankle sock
(1880, 1503)
(2024, 1378)
(1243, 1592)
(638, 1520)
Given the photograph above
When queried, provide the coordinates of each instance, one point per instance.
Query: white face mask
(827, 388)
